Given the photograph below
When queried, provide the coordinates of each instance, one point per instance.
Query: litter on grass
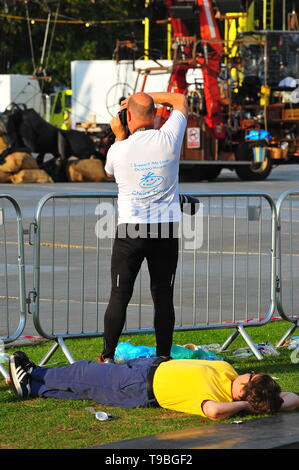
(293, 343)
(126, 351)
(100, 415)
(264, 348)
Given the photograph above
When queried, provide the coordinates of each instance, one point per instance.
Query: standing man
(145, 167)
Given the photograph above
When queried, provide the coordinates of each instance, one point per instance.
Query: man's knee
(121, 293)
(162, 291)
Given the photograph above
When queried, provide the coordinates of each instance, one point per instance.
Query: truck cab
(61, 106)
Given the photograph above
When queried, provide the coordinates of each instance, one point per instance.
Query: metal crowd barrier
(226, 279)
(12, 280)
(226, 274)
(288, 260)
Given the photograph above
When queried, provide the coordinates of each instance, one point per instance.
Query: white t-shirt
(145, 167)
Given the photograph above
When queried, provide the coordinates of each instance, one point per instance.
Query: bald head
(141, 106)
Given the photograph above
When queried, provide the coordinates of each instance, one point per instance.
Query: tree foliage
(22, 41)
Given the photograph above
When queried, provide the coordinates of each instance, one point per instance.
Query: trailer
(21, 90)
(99, 85)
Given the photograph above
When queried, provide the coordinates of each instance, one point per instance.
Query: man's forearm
(118, 129)
(222, 410)
(175, 100)
(166, 98)
(290, 401)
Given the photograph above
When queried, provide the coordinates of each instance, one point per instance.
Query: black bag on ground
(56, 168)
(189, 204)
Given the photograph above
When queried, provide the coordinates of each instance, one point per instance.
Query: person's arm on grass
(290, 401)
(220, 410)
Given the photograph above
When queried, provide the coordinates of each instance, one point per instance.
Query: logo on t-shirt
(150, 180)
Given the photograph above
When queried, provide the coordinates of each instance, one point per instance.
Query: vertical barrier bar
(6, 273)
(208, 262)
(234, 261)
(259, 258)
(246, 261)
(291, 252)
(181, 279)
(221, 264)
(83, 268)
(68, 268)
(53, 262)
(97, 278)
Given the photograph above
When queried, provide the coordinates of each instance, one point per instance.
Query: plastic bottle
(242, 352)
(268, 349)
(3, 356)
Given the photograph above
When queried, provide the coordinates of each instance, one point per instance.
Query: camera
(123, 117)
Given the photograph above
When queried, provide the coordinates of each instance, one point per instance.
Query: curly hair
(263, 394)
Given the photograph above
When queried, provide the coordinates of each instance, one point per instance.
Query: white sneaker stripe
(21, 376)
(20, 371)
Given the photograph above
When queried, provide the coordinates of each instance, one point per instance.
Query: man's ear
(129, 115)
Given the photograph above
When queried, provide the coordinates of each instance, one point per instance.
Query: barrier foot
(4, 372)
(241, 330)
(59, 342)
(288, 333)
(65, 350)
(229, 340)
(48, 354)
(249, 341)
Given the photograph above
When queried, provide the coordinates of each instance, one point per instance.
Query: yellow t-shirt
(183, 384)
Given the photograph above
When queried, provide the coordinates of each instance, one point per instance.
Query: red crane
(209, 61)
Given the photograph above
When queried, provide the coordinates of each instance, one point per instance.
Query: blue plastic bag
(179, 352)
(126, 351)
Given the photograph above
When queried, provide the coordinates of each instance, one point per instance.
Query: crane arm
(210, 62)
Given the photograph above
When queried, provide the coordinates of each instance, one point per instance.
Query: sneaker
(107, 360)
(19, 375)
(27, 364)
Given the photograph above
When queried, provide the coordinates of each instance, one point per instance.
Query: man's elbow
(214, 416)
(185, 101)
(183, 107)
(212, 412)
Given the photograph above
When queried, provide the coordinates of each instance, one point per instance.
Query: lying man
(212, 389)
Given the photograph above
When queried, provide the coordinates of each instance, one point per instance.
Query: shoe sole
(14, 377)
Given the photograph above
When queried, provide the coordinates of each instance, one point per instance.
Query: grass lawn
(66, 424)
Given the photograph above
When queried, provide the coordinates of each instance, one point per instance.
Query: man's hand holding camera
(118, 123)
(118, 129)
